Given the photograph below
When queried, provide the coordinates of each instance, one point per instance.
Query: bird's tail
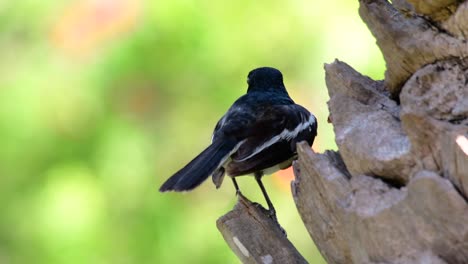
(200, 168)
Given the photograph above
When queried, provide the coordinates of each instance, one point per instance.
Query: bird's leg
(271, 208)
(235, 185)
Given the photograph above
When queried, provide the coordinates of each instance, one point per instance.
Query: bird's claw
(272, 215)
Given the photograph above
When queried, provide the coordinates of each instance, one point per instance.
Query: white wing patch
(226, 158)
(285, 134)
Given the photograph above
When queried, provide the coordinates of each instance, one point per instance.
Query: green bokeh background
(101, 101)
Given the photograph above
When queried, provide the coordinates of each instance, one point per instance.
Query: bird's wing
(235, 123)
(217, 127)
(273, 124)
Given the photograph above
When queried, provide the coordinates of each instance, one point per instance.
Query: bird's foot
(272, 215)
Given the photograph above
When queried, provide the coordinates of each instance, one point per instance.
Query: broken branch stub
(255, 237)
(320, 182)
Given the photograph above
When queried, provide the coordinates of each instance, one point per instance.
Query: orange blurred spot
(88, 23)
(137, 97)
(284, 177)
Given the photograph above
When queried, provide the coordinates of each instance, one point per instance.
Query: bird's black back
(258, 132)
(265, 114)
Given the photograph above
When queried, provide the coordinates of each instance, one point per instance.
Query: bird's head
(265, 79)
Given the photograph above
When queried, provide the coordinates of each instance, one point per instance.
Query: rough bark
(397, 189)
(362, 219)
(255, 237)
(408, 41)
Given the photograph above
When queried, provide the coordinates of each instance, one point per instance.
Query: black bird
(257, 135)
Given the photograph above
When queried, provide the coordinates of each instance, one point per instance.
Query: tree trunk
(397, 190)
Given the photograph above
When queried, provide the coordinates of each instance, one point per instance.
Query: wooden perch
(255, 237)
(312, 204)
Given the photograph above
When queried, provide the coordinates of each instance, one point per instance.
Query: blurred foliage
(101, 100)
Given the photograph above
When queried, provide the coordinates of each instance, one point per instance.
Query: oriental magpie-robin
(257, 135)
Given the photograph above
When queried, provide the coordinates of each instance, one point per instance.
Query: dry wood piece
(457, 24)
(321, 181)
(342, 79)
(439, 90)
(454, 159)
(349, 219)
(437, 146)
(407, 42)
(255, 237)
(434, 115)
(437, 10)
(361, 111)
